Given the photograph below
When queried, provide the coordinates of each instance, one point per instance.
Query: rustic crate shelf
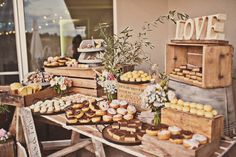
(215, 60)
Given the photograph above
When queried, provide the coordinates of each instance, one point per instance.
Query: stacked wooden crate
(84, 79)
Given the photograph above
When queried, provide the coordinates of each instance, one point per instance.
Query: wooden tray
(107, 137)
(38, 113)
(55, 66)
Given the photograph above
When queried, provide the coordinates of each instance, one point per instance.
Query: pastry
(72, 120)
(193, 105)
(122, 111)
(50, 110)
(177, 139)
(199, 106)
(100, 112)
(130, 138)
(163, 134)
(193, 111)
(15, 86)
(200, 138)
(209, 114)
(96, 119)
(115, 126)
(123, 127)
(162, 127)
(85, 107)
(78, 114)
(77, 106)
(115, 104)
(152, 131)
(188, 76)
(183, 67)
(132, 128)
(103, 105)
(177, 70)
(191, 143)
(185, 72)
(214, 112)
(193, 77)
(43, 110)
(186, 104)
(180, 108)
(131, 109)
(111, 111)
(140, 134)
(123, 104)
(36, 109)
(174, 130)
(208, 108)
(174, 101)
(196, 69)
(167, 104)
(199, 74)
(187, 134)
(186, 109)
(107, 118)
(128, 116)
(180, 74)
(84, 119)
(117, 117)
(200, 112)
(90, 113)
(119, 135)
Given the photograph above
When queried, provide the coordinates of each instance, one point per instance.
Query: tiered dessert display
(83, 72)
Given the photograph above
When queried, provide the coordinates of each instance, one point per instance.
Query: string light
(2, 4)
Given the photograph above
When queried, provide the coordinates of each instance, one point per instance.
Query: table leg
(99, 150)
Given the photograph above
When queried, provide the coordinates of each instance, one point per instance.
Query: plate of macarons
(92, 112)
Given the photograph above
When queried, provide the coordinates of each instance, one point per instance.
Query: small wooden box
(167, 149)
(215, 60)
(7, 149)
(131, 93)
(9, 98)
(84, 80)
(212, 128)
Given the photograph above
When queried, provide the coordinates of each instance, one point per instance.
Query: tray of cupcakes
(125, 132)
(90, 112)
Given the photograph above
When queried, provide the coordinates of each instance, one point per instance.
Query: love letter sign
(201, 28)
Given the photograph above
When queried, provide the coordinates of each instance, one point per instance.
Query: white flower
(157, 104)
(171, 95)
(53, 82)
(63, 87)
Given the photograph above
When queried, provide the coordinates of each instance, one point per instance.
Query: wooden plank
(87, 83)
(195, 59)
(70, 149)
(211, 128)
(55, 145)
(7, 149)
(217, 66)
(170, 149)
(98, 147)
(92, 132)
(30, 132)
(87, 91)
(74, 72)
(200, 41)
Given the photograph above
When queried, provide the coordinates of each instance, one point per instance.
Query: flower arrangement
(156, 95)
(4, 136)
(61, 84)
(109, 83)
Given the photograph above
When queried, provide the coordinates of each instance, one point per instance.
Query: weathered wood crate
(212, 128)
(8, 149)
(6, 97)
(215, 60)
(167, 149)
(131, 93)
(84, 79)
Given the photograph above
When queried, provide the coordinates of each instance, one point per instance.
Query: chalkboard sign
(30, 132)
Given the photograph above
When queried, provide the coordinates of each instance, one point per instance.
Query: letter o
(188, 29)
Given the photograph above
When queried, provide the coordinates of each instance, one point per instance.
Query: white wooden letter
(179, 34)
(215, 27)
(200, 26)
(188, 29)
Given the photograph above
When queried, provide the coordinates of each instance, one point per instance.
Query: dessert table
(92, 132)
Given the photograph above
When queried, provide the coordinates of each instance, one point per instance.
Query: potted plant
(4, 110)
(126, 48)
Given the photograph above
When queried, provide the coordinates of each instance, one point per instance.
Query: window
(51, 25)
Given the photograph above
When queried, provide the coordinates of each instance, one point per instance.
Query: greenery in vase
(61, 84)
(122, 49)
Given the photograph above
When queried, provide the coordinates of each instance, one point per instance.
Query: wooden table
(140, 151)
(92, 132)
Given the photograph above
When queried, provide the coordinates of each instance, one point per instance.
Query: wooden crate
(84, 79)
(131, 93)
(215, 60)
(212, 128)
(8, 98)
(167, 149)
(8, 149)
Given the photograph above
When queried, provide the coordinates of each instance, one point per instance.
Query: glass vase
(111, 96)
(157, 117)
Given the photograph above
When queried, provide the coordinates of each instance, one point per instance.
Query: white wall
(135, 12)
